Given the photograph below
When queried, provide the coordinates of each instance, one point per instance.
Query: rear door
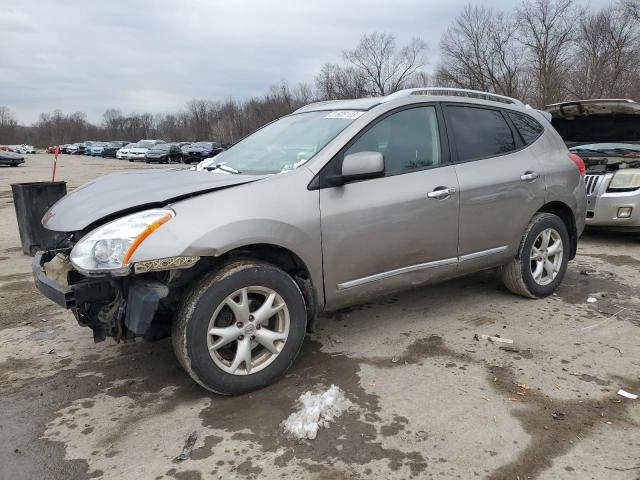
(389, 233)
(501, 183)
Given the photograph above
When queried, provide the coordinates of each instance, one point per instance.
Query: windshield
(145, 144)
(286, 143)
(161, 146)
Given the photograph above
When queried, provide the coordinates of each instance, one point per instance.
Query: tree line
(542, 51)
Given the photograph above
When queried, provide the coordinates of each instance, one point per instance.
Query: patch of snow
(316, 410)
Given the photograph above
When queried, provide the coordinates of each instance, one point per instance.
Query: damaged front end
(123, 307)
(605, 133)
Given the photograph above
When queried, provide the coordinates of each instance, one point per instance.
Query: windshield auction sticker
(351, 114)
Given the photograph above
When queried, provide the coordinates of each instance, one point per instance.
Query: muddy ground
(430, 401)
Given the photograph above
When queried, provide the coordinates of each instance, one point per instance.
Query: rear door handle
(529, 176)
(441, 192)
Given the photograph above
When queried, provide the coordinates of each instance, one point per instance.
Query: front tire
(542, 258)
(240, 328)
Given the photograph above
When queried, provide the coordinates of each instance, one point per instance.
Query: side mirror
(362, 165)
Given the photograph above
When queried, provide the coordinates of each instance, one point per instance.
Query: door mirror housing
(359, 166)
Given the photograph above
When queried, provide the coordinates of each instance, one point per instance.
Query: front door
(389, 233)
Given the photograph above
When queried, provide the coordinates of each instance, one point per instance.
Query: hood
(138, 150)
(128, 191)
(596, 121)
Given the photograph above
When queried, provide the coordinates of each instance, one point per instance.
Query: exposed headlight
(626, 179)
(108, 248)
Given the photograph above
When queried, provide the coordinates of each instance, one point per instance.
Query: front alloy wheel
(241, 327)
(248, 330)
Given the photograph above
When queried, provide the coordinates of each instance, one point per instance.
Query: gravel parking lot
(430, 400)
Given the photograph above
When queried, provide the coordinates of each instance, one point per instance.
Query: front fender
(278, 211)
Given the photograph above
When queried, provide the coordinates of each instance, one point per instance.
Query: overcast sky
(155, 55)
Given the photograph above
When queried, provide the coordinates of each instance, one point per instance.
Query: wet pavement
(430, 401)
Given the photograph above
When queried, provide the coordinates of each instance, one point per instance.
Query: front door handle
(529, 176)
(441, 192)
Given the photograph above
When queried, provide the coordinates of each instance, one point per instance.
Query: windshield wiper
(224, 168)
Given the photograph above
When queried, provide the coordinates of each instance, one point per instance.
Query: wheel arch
(286, 260)
(565, 213)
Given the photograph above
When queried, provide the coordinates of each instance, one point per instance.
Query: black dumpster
(31, 201)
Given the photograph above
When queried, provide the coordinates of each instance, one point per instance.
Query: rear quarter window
(479, 132)
(529, 128)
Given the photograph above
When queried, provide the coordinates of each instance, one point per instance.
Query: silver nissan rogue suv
(336, 204)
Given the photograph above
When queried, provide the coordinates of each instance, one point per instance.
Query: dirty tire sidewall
(203, 301)
(542, 222)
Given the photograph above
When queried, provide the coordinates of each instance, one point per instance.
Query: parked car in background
(139, 150)
(398, 191)
(22, 149)
(606, 135)
(73, 148)
(96, 148)
(84, 148)
(198, 151)
(11, 159)
(184, 146)
(110, 149)
(123, 152)
(164, 153)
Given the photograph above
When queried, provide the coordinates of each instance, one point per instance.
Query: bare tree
(547, 30)
(632, 7)
(339, 82)
(607, 60)
(8, 124)
(385, 68)
(479, 51)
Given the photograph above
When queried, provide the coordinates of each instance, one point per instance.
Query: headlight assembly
(626, 179)
(108, 248)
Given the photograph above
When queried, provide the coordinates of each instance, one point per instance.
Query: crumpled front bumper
(603, 206)
(110, 306)
(71, 294)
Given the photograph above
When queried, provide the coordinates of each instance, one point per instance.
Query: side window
(529, 128)
(479, 132)
(408, 140)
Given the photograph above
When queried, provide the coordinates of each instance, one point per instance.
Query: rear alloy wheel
(546, 256)
(542, 258)
(241, 328)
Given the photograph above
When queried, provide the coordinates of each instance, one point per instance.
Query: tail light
(575, 158)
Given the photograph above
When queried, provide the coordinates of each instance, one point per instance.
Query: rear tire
(207, 307)
(542, 258)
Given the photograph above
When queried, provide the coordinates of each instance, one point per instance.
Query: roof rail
(461, 92)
